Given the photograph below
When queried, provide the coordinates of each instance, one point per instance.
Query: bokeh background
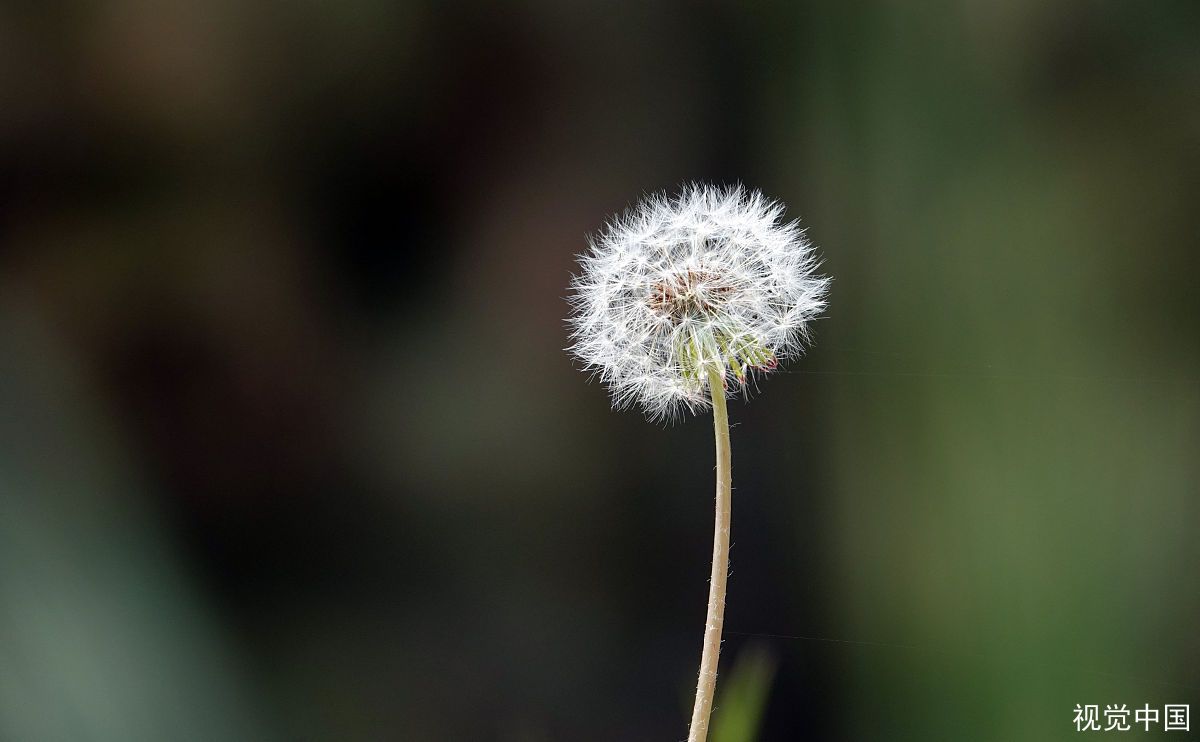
(289, 448)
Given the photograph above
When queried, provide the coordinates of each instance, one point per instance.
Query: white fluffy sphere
(677, 287)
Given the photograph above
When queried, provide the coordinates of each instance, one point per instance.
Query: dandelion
(709, 280)
(683, 301)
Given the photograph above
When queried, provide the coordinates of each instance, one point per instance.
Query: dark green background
(289, 449)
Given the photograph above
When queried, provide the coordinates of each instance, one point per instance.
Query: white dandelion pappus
(709, 279)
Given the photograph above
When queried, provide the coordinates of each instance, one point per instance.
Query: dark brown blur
(290, 449)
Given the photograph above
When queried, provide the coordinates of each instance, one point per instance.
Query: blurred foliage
(290, 450)
(742, 699)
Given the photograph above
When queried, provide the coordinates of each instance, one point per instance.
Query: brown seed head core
(689, 292)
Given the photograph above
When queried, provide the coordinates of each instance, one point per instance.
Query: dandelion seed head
(710, 279)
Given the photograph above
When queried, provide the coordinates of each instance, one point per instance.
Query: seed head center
(689, 293)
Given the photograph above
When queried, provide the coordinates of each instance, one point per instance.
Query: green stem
(706, 686)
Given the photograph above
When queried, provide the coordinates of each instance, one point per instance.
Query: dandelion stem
(706, 686)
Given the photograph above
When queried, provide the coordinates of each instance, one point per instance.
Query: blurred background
(290, 450)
